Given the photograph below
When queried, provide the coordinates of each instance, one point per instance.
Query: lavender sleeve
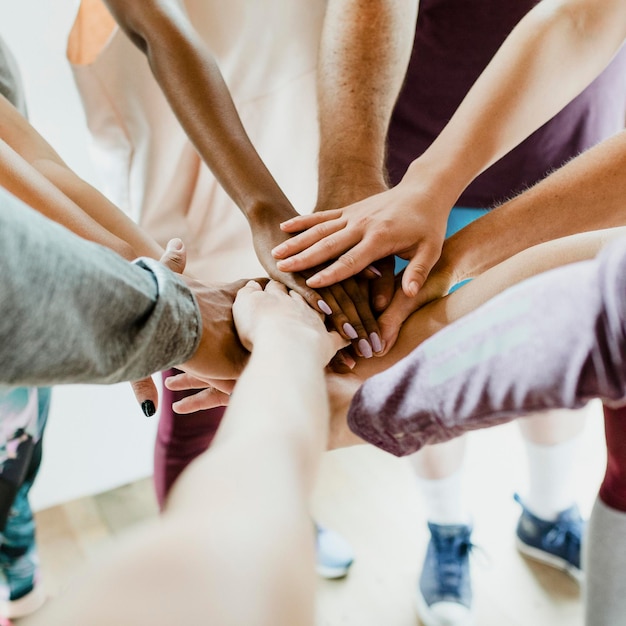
(556, 340)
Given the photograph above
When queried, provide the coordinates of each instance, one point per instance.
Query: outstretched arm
(555, 341)
(72, 311)
(550, 57)
(32, 170)
(586, 194)
(435, 316)
(217, 534)
(193, 85)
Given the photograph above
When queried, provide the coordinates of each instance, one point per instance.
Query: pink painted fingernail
(371, 268)
(365, 349)
(324, 307)
(375, 341)
(350, 331)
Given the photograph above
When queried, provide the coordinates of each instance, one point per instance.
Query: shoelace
(449, 551)
(563, 535)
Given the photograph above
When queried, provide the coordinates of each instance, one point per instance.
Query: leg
(444, 593)
(19, 561)
(443, 598)
(180, 439)
(605, 551)
(550, 527)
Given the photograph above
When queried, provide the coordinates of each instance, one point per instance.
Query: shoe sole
(550, 559)
(424, 614)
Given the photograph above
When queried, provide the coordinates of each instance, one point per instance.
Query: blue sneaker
(555, 543)
(334, 555)
(444, 593)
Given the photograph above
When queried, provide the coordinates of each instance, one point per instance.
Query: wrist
(268, 212)
(441, 181)
(287, 337)
(347, 183)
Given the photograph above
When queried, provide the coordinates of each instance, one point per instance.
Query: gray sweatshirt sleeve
(556, 340)
(72, 311)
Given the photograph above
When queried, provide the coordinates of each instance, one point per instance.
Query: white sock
(551, 477)
(604, 564)
(443, 499)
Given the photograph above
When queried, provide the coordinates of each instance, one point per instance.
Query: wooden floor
(371, 498)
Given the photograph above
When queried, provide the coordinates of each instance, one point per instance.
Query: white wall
(97, 437)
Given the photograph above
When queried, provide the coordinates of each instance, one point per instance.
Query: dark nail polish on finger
(148, 408)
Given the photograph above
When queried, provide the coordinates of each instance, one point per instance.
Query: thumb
(175, 256)
(416, 272)
(394, 316)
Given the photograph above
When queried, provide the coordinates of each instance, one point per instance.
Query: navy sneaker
(334, 555)
(555, 543)
(444, 593)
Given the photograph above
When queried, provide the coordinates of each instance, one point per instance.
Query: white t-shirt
(267, 52)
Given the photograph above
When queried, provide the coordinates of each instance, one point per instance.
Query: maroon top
(454, 42)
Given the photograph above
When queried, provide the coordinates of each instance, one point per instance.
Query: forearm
(586, 194)
(296, 412)
(364, 54)
(195, 89)
(435, 316)
(105, 321)
(32, 170)
(555, 341)
(550, 57)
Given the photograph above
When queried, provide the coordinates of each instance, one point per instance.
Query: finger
(307, 238)
(302, 222)
(209, 398)
(371, 272)
(175, 256)
(394, 316)
(348, 264)
(416, 272)
(147, 395)
(186, 382)
(342, 362)
(253, 285)
(275, 286)
(382, 288)
(183, 382)
(357, 304)
(323, 250)
(297, 282)
(346, 320)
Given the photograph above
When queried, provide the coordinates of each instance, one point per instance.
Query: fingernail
(413, 288)
(175, 244)
(371, 268)
(148, 408)
(349, 330)
(324, 307)
(365, 349)
(375, 341)
(286, 223)
(278, 250)
(284, 266)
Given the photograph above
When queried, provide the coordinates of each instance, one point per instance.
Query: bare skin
(550, 57)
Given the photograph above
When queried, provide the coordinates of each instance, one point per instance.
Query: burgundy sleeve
(553, 341)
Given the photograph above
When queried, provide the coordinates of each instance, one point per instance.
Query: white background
(97, 437)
